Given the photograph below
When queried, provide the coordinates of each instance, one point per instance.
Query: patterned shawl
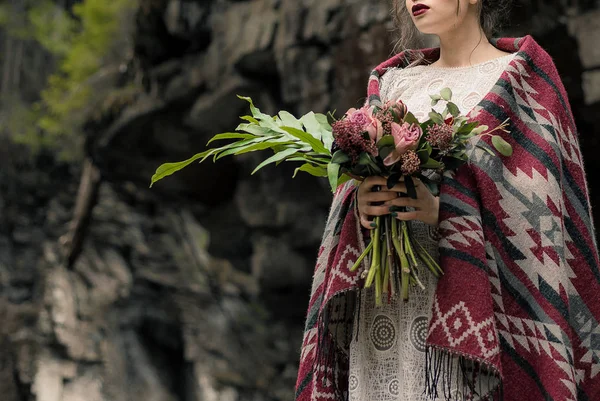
(517, 305)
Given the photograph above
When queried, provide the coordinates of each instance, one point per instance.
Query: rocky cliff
(196, 289)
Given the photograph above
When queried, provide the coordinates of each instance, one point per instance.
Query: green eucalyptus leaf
(446, 94)
(333, 170)
(467, 128)
(435, 97)
(434, 102)
(453, 109)
(502, 146)
(436, 117)
(479, 129)
(275, 158)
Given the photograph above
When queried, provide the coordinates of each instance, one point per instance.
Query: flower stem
(376, 251)
(429, 261)
(390, 256)
(362, 256)
(385, 266)
(404, 264)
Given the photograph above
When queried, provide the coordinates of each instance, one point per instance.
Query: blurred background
(196, 289)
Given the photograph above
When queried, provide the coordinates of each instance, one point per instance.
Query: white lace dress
(387, 359)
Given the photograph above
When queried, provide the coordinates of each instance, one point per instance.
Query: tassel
(472, 379)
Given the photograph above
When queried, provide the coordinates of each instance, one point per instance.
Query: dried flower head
(410, 163)
(440, 135)
(349, 137)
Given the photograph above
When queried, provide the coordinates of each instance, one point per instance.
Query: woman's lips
(419, 9)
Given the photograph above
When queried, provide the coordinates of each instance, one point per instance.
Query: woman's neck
(464, 47)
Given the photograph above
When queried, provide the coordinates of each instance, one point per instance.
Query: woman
(515, 316)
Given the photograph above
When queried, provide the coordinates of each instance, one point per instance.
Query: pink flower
(397, 109)
(365, 119)
(406, 137)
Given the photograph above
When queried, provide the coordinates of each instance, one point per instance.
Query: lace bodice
(469, 84)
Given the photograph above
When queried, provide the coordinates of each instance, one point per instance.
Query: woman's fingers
(406, 201)
(406, 216)
(364, 222)
(375, 210)
(371, 197)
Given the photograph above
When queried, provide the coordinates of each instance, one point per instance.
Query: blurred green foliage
(86, 44)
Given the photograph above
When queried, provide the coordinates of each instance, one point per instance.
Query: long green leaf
(255, 111)
(333, 170)
(250, 119)
(313, 126)
(229, 135)
(276, 157)
(254, 129)
(314, 143)
(166, 169)
(288, 120)
(227, 150)
(249, 147)
(312, 170)
(260, 146)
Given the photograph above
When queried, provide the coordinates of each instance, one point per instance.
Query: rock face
(196, 289)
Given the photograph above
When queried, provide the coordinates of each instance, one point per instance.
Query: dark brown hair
(492, 15)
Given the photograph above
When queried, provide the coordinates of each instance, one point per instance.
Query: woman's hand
(427, 206)
(367, 200)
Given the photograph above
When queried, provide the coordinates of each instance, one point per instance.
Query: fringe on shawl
(336, 331)
(475, 380)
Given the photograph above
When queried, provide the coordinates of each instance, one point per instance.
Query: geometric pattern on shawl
(323, 358)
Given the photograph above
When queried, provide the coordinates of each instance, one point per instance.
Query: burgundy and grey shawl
(519, 304)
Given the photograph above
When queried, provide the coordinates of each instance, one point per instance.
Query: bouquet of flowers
(387, 141)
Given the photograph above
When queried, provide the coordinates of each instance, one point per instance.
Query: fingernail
(374, 225)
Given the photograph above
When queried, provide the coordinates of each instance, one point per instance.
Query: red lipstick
(419, 9)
